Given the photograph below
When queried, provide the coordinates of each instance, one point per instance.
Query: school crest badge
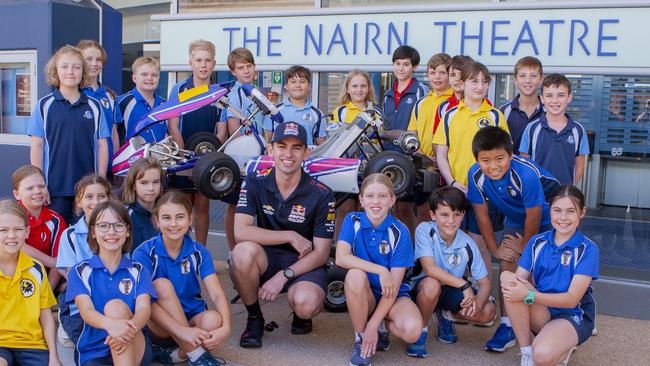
(185, 266)
(27, 287)
(483, 122)
(297, 214)
(88, 115)
(571, 140)
(126, 286)
(453, 260)
(512, 192)
(105, 103)
(384, 247)
(565, 259)
(409, 100)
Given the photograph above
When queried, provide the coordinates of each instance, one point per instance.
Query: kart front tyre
(203, 142)
(398, 167)
(335, 296)
(216, 175)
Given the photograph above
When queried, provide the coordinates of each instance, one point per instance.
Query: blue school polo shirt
(245, 105)
(131, 107)
(388, 245)
(398, 118)
(73, 246)
(106, 98)
(518, 119)
(555, 151)
(461, 256)
(204, 119)
(553, 267)
(309, 209)
(523, 186)
(193, 262)
(143, 227)
(310, 117)
(92, 278)
(70, 133)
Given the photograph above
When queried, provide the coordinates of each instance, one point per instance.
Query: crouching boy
(446, 254)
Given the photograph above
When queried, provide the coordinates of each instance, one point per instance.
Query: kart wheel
(203, 142)
(216, 175)
(395, 165)
(335, 296)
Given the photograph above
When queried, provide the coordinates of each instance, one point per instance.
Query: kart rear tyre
(203, 142)
(335, 294)
(398, 167)
(216, 175)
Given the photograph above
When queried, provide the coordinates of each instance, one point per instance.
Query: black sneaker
(300, 326)
(252, 336)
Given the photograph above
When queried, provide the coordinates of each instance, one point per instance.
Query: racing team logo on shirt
(126, 285)
(483, 122)
(263, 172)
(268, 209)
(27, 287)
(185, 266)
(565, 259)
(384, 248)
(297, 214)
(88, 115)
(453, 260)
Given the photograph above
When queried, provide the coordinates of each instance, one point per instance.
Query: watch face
(288, 273)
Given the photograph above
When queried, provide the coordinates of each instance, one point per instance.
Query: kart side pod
(339, 174)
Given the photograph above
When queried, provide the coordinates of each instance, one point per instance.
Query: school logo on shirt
(483, 122)
(185, 266)
(512, 192)
(306, 117)
(297, 214)
(453, 260)
(268, 209)
(384, 247)
(565, 259)
(27, 287)
(409, 100)
(88, 115)
(571, 140)
(126, 285)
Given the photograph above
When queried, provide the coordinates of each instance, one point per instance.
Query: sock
(176, 356)
(447, 315)
(195, 354)
(505, 320)
(254, 309)
(382, 327)
(526, 350)
(358, 336)
(425, 329)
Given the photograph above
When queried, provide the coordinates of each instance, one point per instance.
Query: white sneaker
(565, 362)
(63, 338)
(527, 360)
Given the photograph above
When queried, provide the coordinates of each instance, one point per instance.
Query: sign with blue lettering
(584, 37)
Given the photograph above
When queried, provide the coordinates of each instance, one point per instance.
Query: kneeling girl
(377, 250)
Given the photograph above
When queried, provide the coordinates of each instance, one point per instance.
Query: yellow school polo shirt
(348, 112)
(423, 118)
(23, 296)
(457, 130)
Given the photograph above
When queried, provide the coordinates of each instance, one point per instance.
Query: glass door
(17, 90)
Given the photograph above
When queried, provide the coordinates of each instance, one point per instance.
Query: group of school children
(120, 268)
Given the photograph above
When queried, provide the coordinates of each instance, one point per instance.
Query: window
(17, 90)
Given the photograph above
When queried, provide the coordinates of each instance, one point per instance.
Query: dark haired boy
(517, 188)
(526, 106)
(555, 141)
(298, 108)
(446, 254)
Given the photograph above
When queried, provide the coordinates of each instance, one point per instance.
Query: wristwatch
(288, 273)
(530, 298)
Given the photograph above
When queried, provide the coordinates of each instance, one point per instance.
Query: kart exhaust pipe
(406, 140)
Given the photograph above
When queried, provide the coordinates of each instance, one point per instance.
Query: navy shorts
(584, 325)
(147, 357)
(279, 259)
(72, 324)
(470, 223)
(404, 291)
(25, 356)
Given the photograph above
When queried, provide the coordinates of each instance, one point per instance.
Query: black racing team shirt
(309, 210)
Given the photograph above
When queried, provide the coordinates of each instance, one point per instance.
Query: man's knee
(117, 309)
(242, 257)
(306, 301)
